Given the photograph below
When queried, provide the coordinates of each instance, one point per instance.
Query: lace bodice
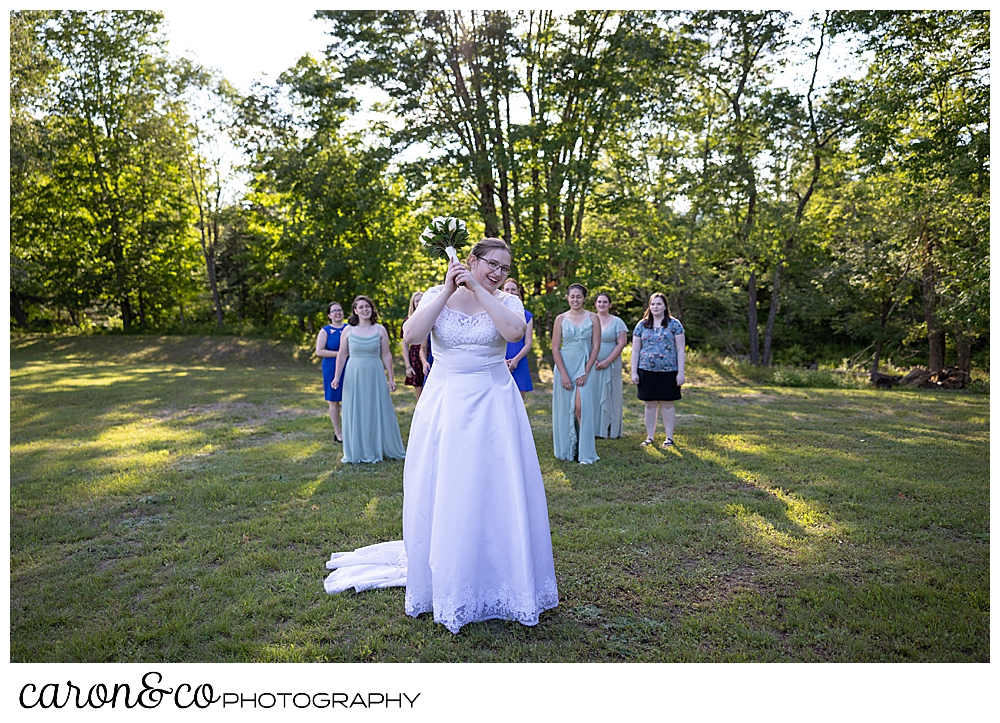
(455, 329)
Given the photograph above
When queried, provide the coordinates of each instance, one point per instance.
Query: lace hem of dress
(486, 604)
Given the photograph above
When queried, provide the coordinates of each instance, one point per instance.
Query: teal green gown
(608, 412)
(371, 431)
(568, 442)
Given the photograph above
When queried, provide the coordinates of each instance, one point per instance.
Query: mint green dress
(608, 413)
(371, 431)
(568, 442)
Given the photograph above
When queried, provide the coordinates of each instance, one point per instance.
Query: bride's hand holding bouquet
(460, 275)
(444, 236)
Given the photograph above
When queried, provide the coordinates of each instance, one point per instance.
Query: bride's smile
(492, 269)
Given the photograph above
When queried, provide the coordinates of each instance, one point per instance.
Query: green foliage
(100, 216)
(632, 151)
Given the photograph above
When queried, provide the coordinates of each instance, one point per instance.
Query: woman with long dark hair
(658, 365)
(371, 430)
(607, 375)
(576, 342)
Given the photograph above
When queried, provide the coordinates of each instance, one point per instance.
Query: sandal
(338, 439)
(649, 441)
(668, 443)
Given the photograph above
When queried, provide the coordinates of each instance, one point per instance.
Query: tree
(30, 73)
(823, 124)
(521, 107)
(204, 165)
(118, 145)
(340, 220)
(742, 119)
(925, 113)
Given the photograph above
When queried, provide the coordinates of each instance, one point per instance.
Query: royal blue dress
(330, 363)
(522, 377)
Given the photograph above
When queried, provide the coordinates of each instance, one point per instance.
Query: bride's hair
(490, 244)
(353, 318)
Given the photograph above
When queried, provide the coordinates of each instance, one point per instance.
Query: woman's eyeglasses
(494, 266)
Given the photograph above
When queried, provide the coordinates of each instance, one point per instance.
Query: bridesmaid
(415, 357)
(371, 430)
(327, 346)
(607, 375)
(576, 342)
(517, 351)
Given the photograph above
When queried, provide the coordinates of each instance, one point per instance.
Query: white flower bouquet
(443, 236)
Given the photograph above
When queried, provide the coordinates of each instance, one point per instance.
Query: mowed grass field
(176, 500)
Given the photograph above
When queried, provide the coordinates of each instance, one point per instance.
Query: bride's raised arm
(418, 326)
(508, 322)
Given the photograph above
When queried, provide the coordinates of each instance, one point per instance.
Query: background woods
(803, 188)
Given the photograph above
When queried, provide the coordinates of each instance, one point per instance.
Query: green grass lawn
(170, 503)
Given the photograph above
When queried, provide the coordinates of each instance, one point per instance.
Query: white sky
(245, 45)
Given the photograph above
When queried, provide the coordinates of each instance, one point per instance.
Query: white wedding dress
(476, 542)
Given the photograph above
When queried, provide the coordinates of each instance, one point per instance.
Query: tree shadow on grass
(742, 543)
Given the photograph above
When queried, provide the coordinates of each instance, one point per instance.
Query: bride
(476, 542)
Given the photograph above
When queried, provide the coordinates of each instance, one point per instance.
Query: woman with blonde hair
(415, 355)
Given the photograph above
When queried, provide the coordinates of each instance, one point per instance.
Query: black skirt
(658, 386)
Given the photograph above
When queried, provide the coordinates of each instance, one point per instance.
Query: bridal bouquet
(443, 236)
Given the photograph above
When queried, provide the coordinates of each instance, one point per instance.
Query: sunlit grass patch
(184, 512)
(556, 481)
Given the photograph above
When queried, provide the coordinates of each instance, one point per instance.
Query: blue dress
(522, 376)
(330, 364)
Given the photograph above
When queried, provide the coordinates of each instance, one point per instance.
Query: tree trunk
(935, 334)
(772, 314)
(126, 307)
(210, 264)
(488, 208)
(878, 354)
(963, 347)
(17, 309)
(752, 319)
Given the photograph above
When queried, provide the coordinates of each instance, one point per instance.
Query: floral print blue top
(659, 348)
